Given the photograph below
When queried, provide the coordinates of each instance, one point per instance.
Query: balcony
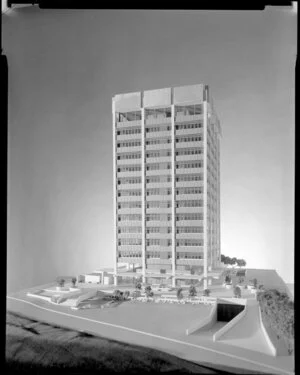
(158, 223)
(195, 131)
(130, 186)
(166, 236)
(130, 235)
(181, 171)
(183, 236)
(158, 120)
(137, 260)
(189, 262)
(193, 144)
(158, 261)
(129, 161)
(136, 248)
(129, 137)
(129, 223)
(189, 157)
(189, 184)
(159, 159)
(159, 134)
(189, 197)
(188, 118)
(189, 223)
(158, 248)
(158, 210)
(129, 174)
(159, 172)
(163, 197)
(127, 124)
(129, 149)
(189, 210)
(190, 249)
(129, 199)
(160, 146)
(158, 185)
(129, 210)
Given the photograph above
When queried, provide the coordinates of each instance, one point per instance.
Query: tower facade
(166, 168)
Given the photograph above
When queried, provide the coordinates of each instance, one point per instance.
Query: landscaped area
(135, 313)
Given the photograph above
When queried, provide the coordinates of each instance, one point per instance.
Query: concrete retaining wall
(205, 323)
(267, 337)
(229, 325)
(236, 301)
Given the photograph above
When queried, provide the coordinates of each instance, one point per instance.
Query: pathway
(247, 333)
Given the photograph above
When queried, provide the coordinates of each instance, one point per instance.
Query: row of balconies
(163, 159)
(160, 120)
(154, 185)
(129, 199)
(157, 223)
(159, 134)
(129, 137)
(162, 197)
(129, 161)
(183, 262)
(187, 118)
(162, 146)
(162, 236)
(163, 210)
(159, 248)
(160, 172)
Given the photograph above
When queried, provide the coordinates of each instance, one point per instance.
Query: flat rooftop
(162, 97)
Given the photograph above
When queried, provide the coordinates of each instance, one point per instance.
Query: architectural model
(166, 184)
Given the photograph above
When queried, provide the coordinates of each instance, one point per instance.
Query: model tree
(227, 279)
(126, 294)
(138, 285)
(61, 282)
(148, 291)
(254, 283)
(73, 281)
(241, 262)
(179, 293)
(233, 261)
(237, 292)
(206, 292)
(117, 294)
(192, 291)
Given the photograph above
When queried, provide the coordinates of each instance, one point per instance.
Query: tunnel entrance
(227, 311)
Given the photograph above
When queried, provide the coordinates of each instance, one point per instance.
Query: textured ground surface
(35, 347)
(149, 325)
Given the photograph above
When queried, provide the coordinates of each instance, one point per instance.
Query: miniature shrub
(237, 292)
(148, 291)
(61, 282)
(117, 294)
(136, 293)
(138, 286)
(254, 283)
(278, 313)
(206, 292)
(192, 291)
(179, 293)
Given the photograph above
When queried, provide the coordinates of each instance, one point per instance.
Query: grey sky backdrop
(64, 68)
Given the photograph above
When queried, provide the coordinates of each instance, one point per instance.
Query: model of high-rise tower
(166, 147)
